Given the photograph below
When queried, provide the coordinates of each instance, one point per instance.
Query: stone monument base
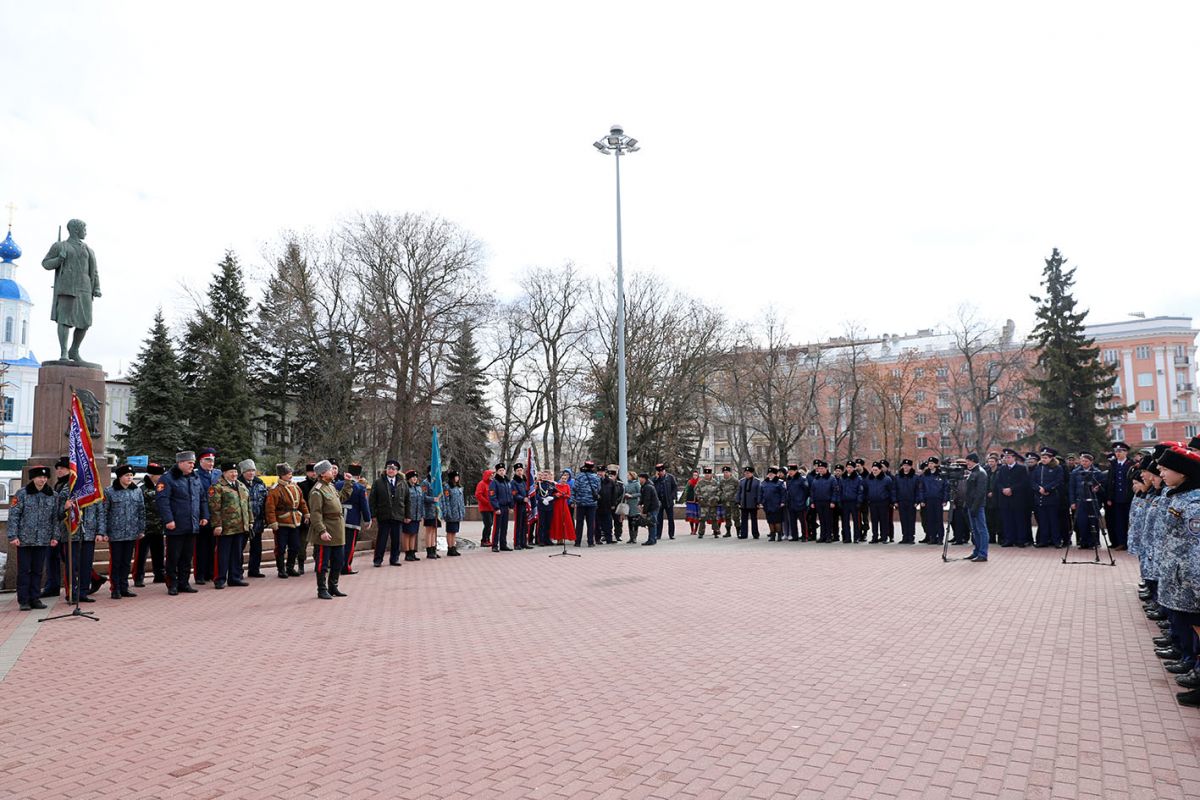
(52, 410)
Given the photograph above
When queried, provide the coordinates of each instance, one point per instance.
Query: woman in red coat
(486, 512)
(561, 527)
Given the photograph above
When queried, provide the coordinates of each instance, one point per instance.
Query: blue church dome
(9, 250)
(11, 290)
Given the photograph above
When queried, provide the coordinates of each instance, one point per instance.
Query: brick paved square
(693, 669)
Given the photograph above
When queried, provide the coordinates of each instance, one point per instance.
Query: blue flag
(435, 466)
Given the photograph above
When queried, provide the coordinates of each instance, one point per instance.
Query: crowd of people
(199, 522)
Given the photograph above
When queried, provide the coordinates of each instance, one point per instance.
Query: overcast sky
(879, 163)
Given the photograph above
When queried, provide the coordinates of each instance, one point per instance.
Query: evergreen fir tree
(466, 417)
(214, 365)
(154, 428)
(1073, 406)
(280, 362)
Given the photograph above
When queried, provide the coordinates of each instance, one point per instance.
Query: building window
(8, 329)
(760, 451)
(707, 453)
(724, 452)
(945, 441)
(1117, 386)
(1142, 351)
(1146, 405)
(812, 430)
(920, 397)
(895, 372)
(919, 372)
(1181, 405)
(831, 401)
(874, 442)
(1145, 379)
(1018, 413)
(1109, 356)
(1181, 351)
(943, 400)
(943, 420)
(922, 441)
(8, 409)
(1150, 432)
(943, 373)
(1118, 433)
(968, 416)
(24, 331)
(1191, 430)
(922, 419)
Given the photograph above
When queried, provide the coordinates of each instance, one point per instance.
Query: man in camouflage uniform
(327, 527)
(727, 488)
(152, 542)
(708, 497)
(229, 504)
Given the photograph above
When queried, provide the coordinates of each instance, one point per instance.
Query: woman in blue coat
(773, 496)
(454, 510)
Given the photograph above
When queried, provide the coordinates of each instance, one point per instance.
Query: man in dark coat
(1048, 491)
(668, 490)
(1014, 485)
(649, 506)
(389, 504)
(611, 495)
(182, 505)
(749, 498)
(1118, 494)
(152, 542)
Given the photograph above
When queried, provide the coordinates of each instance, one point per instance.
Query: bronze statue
(76, 282)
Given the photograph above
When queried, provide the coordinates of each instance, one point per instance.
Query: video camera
(954, 471)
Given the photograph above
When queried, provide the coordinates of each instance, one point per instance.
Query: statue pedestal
(52, 409)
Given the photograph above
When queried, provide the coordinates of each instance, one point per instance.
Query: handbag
(623, 509)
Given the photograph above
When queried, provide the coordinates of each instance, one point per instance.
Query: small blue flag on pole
(435, 466)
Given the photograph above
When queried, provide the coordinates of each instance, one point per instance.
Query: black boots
(431, 552)
(411, 555)
(452, 551)
(279, 567)
(333, 585)
(322, 592)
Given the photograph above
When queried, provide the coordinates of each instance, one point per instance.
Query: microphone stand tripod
(1095, 529)
(73, 586)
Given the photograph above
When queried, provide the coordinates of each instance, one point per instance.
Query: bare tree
(417, 280)
(982, 378)
(848, 384)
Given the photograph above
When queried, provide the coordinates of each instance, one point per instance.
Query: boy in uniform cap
(306, 486)
(1047, 495)
(229, 502)
(358, 513)
(708, 497)
(33, 529)
(500, 495)
(823, 496)
(257, 490)
(1086, 496)
(284, 511)
(152, 542)
(327, 527)
(1118, 495)
(56, 557)
(1179, 570)
(728, 488)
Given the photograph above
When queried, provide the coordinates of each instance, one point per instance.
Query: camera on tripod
(954, 471)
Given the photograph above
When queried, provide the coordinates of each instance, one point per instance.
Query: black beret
(747, 469)
(877, 465)
(39, 472)
(726, 469)
(63, 463)
(225, 466)
(517, 466)
(934, 460)
(907, 461)
(124, 469)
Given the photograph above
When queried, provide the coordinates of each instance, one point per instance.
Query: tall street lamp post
(618, 144)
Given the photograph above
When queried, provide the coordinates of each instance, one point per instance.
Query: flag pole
(72, 579)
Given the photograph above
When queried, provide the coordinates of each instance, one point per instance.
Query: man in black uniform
(152, 542)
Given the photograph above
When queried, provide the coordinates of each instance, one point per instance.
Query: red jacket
(481, 491)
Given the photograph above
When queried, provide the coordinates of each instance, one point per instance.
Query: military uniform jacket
(1137, 519)
(1048, 477)
(230, 507)
(93, 523)
(586, 491)
(728, 491)
(1179, 573)
(454, 505)
(149, 494)
(823, 488)
(1152, 527)
(182, 499)
(772, 495)
(906, 488)
(850, 489)
(257, 490)
(34, 516)
(796, 490)
(126, 511)
(325, 513)
(358, 509)
(749, 493)
(285, 506)
(1016, 478)
(708, 493)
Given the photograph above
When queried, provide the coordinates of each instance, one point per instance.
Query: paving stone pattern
(693, 669)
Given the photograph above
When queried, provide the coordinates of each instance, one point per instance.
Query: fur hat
(247, 464)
